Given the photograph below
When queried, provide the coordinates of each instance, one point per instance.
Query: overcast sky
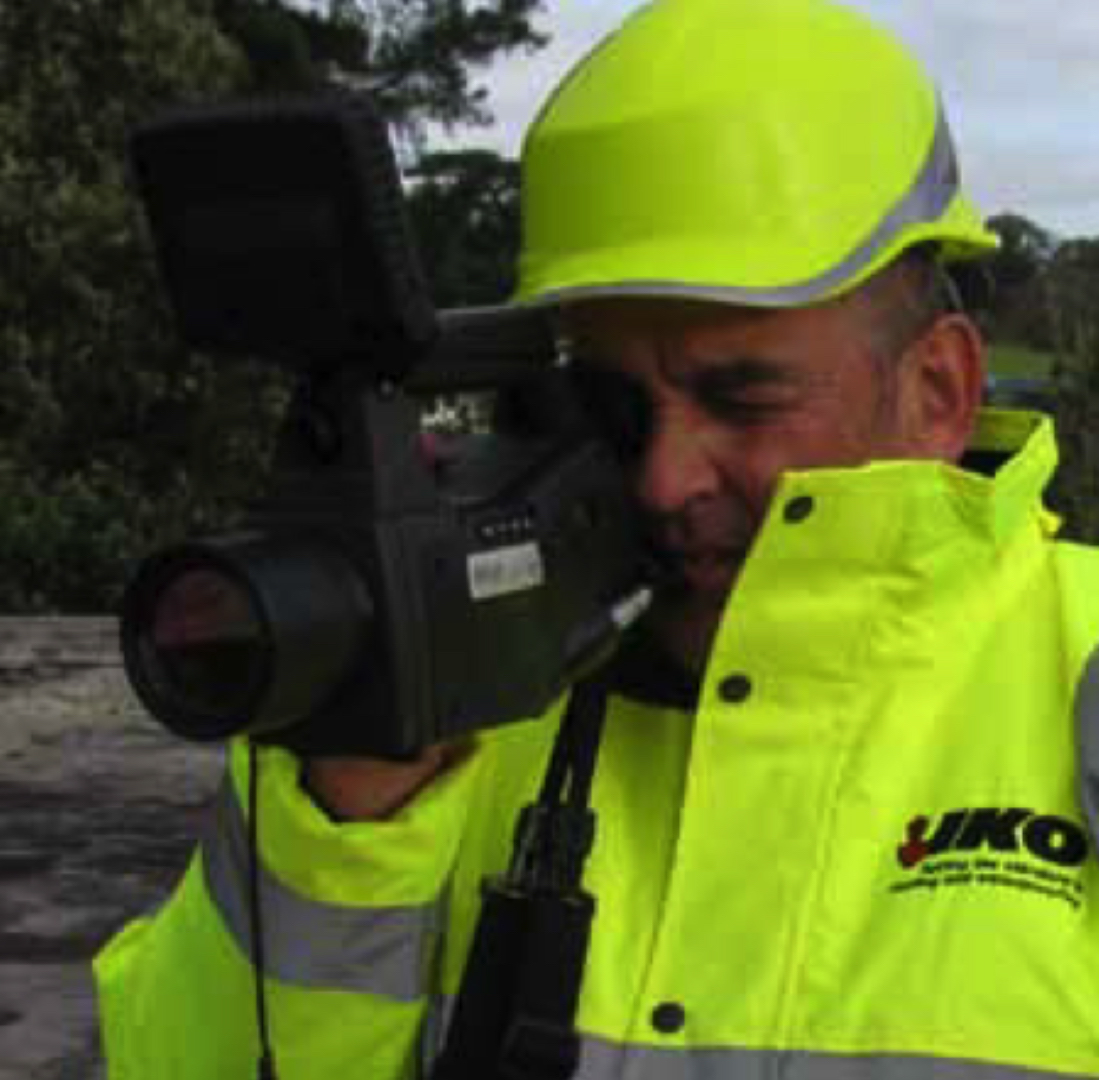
(1020, 78)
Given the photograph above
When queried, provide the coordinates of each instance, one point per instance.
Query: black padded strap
(514, 1018)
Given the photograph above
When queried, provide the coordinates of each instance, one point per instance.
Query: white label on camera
(505, 570)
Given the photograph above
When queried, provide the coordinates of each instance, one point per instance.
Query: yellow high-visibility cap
(765, 152)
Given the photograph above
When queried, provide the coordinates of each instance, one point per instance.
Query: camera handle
(514, 1017)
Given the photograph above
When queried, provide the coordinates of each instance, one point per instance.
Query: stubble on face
(702, 551)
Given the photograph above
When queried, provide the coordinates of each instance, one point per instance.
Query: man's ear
(942, 380)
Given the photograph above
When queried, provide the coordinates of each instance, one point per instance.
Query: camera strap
(514, 1016)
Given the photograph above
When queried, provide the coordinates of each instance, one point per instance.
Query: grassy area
(1018, 361)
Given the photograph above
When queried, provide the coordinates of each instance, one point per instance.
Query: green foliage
(1072, 274)
(1014, 360)
(465, 210)
(1045, 321)
(421, 53)
(1021, 310)
(87, 354)
(66, 541)
(415, 57)
(278, 53)
(1075, 494)
(1024, 249)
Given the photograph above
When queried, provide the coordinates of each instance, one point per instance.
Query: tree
(1020, 310)
(87, 353)
(1073, 288)
(1025, 249)
(415, 57)
(465, 208)
(1074, 285)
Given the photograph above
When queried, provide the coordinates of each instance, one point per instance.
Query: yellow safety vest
(863, 854)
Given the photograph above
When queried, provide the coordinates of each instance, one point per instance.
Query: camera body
(394, 588)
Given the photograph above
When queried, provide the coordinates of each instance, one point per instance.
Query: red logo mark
(916, 848)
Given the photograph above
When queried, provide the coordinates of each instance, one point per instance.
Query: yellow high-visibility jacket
(864, 852)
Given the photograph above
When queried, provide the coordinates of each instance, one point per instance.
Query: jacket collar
(879, 544)
(897, 514)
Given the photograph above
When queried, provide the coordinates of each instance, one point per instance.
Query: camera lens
(206, 644)
(244, 634)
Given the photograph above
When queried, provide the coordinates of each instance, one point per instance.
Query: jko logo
(1051, 839)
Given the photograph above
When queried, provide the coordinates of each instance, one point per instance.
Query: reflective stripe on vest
(604, 1061)
(323, 946)
(601, 1059)
(1087, 744)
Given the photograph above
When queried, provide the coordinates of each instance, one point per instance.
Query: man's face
(711, 404)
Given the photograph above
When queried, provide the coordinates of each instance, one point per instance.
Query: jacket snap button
(735, 689)
(798, 508)
(668, 1017)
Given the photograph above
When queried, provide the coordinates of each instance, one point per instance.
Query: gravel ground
(98, 811)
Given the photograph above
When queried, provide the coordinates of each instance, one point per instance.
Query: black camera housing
(386, 594)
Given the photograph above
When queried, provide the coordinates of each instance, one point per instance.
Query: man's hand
(370, 789)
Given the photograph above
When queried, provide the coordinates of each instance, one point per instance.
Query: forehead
(685, 334)
(610, 315)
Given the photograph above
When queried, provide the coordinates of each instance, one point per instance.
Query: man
(840, 833)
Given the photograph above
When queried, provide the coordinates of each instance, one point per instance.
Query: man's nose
(677, 465)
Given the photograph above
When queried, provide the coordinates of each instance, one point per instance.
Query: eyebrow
(731, 375)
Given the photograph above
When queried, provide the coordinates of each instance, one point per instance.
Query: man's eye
(619, 407)
(738, 410)
(745, 393)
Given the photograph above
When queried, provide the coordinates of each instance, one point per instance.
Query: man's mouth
(705, 570)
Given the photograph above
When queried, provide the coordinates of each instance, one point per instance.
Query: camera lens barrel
(243, 635)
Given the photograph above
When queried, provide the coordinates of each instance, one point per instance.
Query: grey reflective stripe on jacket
(1087, 745)
(323, 946)
(601, 1061)
(926, 200)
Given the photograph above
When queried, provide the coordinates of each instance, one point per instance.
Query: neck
(685, 629)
